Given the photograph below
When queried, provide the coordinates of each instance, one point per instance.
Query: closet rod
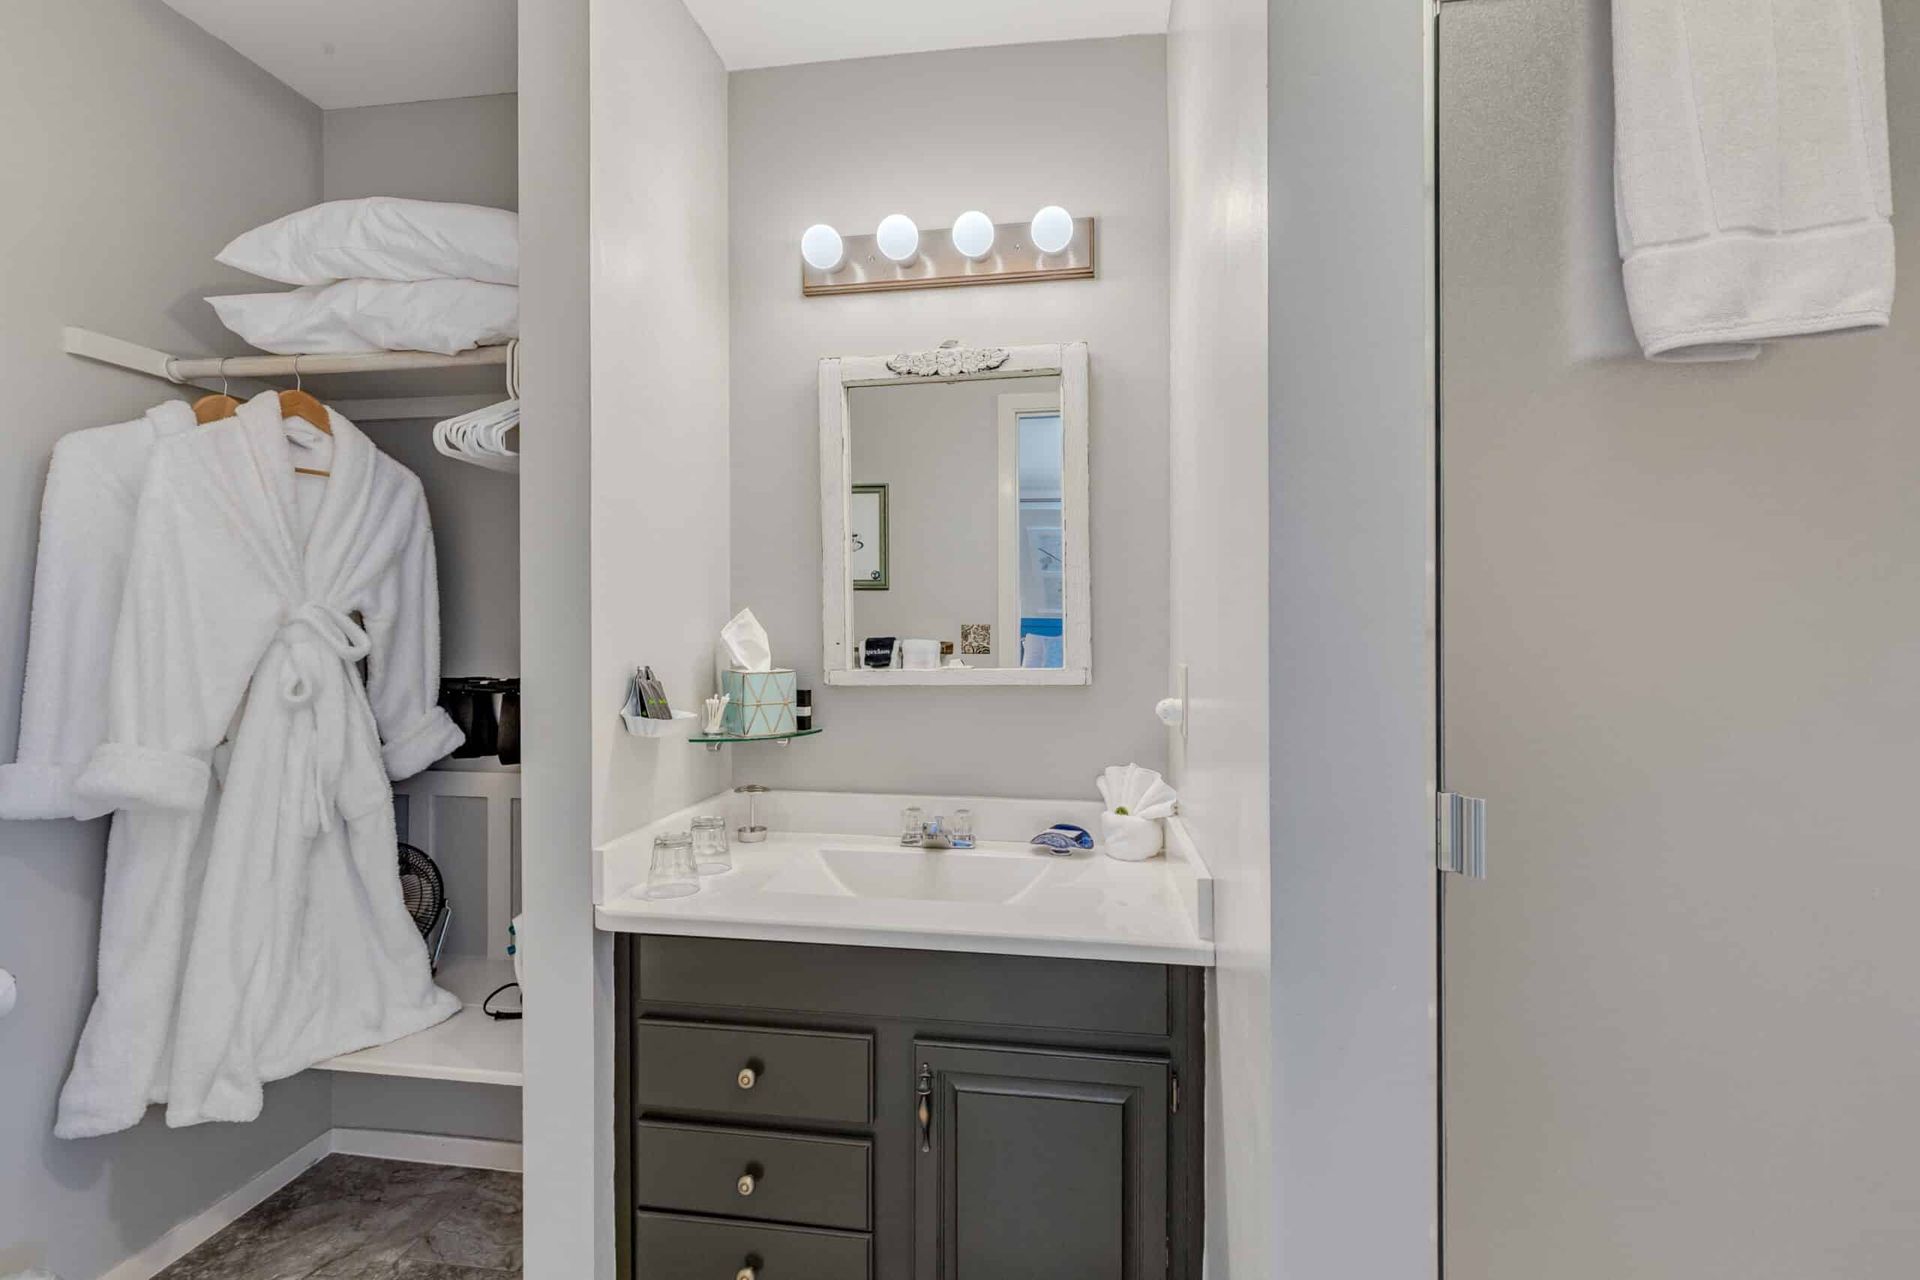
(159, 364)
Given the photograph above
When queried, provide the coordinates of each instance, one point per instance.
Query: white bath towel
(1751, 171)
(279, 909)
(86, 524)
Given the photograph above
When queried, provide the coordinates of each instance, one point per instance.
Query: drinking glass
(673, 873)
(712, 850)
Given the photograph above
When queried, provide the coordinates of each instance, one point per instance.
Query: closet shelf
(469, 1047)
(210, 373)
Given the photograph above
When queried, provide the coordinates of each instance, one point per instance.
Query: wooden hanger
(297, 403)
(216, 408)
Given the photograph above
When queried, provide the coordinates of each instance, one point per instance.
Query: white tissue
(746, 643)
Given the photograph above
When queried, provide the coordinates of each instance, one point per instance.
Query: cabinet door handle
(747, 1078)
(924, 1092)
(745, 1185)
(746, 1273)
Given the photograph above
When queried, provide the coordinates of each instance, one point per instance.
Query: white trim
(947, 677)
(837, 375)
(415, 1148)
(184, 1238)
(429, 1148)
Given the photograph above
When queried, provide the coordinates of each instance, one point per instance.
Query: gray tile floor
(373, 1220)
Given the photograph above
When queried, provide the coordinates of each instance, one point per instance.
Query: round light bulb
(898, 239)
(973, 235)
(1052, 229)
(822, 247)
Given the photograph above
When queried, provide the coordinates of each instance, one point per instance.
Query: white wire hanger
(480, 437)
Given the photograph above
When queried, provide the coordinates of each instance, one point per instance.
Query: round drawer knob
(748, 1078)
(745, 1185)
(746, 1273)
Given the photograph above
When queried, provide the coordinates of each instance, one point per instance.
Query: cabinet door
(1039, 1165)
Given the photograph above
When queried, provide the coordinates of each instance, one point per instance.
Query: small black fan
(425, 896)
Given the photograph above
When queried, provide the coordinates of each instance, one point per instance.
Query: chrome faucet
(937, 834)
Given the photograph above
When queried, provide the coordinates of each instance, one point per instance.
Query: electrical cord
(500, 1015)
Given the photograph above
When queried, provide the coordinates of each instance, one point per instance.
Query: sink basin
(908, 875)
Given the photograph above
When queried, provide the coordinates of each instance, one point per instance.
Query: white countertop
(1086, 906)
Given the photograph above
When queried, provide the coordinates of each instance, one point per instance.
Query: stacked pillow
(379, 274)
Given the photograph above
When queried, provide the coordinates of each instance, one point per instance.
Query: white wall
(567, 1104)
(1217, 95)
(1352, 697)
(660, 397)
(106, 99)
(1007, 130)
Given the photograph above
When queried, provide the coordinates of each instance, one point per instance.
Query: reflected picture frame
(869, 568)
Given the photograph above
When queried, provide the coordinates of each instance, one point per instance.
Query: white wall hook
(1173, 711)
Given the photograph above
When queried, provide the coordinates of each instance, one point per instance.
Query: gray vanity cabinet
(791, 1111)
(1040, 1164)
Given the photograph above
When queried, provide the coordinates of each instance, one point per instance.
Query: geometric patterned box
(762, 702)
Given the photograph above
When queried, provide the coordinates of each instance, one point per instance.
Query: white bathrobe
(281, 904)
(86, 529)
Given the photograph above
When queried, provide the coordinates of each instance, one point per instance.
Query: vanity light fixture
(973, 235)
(1053, 246)
(1052, 229)
(823, 248)
(898, 239)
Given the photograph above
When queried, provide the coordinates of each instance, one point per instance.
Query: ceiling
(364, 53)
(772, 33)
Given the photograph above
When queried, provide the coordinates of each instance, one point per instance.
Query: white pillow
(354, 316)
(383, 238)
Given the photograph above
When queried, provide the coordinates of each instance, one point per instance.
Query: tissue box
(762, 702)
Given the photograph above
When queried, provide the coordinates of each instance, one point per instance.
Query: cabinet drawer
(752, 1071)
(670, 1248)
(819, 1182)
(916, 986)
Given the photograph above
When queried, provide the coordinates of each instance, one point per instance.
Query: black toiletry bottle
(803, 709)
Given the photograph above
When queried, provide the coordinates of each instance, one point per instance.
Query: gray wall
(1682, 602)
(1007, 130)
(110, 102)
(466, 150)
(460, 149)
(1352, 697)
(1217, 99)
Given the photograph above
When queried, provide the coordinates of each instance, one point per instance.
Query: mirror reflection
(955, 534)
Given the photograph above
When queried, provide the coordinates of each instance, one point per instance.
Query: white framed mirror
(954, 526)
